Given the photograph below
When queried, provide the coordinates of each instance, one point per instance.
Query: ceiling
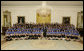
(32, 3)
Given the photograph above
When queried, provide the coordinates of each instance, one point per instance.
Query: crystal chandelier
(44, 11)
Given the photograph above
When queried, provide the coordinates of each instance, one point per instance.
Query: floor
(41, 45)
(2, 37)
(81, 38)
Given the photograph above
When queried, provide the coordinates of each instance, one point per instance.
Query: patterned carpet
(41, 45)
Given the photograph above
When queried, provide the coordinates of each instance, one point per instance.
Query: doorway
(66, 20)
(7, 19)
(21, 19)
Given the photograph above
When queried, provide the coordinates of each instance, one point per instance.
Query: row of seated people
(38, 33)
(69, 35)
(48, 31)
(36, 29)
(19, 33)
(37, 36)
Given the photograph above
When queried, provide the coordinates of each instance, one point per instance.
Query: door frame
(78, 13)
(7, 13)
(66, 16)
(20, 16)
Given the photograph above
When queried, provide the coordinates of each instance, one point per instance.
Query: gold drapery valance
(44, 12)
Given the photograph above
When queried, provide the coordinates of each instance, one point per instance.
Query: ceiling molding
(39, 3)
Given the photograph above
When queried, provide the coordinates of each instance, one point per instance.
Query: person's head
(69, 31)
(7, 30)
(37, 34)
(64, 30)
(17, 30)
(57, 31)
(32, 34)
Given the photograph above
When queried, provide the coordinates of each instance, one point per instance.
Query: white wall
(61, 11)
(57, 12)
(28, 12)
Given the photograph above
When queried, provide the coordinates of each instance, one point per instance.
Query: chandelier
(44, 11)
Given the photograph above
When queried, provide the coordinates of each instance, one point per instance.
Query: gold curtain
(43, 16)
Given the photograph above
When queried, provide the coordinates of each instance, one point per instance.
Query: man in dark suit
(44, 31)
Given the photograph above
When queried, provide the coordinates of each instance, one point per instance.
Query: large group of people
(38, 31)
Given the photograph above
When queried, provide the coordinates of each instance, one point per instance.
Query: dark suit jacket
(44, 31)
